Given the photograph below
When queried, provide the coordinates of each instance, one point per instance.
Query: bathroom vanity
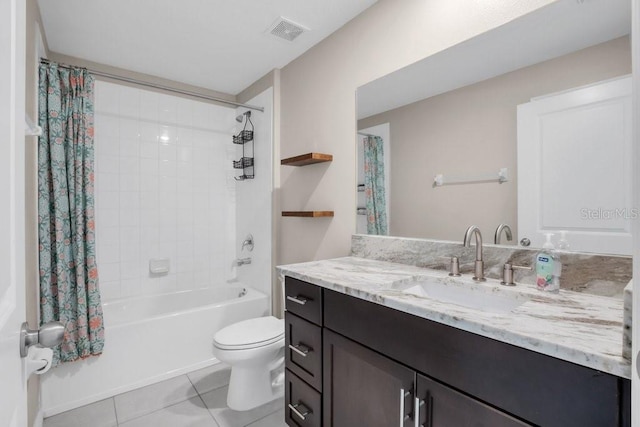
(369, 343)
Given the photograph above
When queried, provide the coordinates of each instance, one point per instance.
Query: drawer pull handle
(300, 410)
(301, 349)
(298, 299)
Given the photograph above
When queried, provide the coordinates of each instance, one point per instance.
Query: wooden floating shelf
(307, 159)
(308, 214)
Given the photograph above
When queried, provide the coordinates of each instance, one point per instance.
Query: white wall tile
(184, 111)
(131, 287)
(167, 134)
(107, 145)
(108, 164)
(185, 136)
(167, 184)
(185, 280)
(167, 108)
(184, 154)
(129, 182)
(129, 147)
(130, 270)
(167, 168)
(109, 290)
(109, 272)
(149, 131)
(162, 190)
(148, 105)
(149, 183)
(109, 253)
(107, 98)
(129, 102)
(107, 182)
(129, 165)
(149, 150)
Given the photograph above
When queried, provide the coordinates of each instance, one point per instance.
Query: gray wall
(318, 108)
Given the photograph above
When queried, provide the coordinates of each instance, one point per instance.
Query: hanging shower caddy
(246, 162)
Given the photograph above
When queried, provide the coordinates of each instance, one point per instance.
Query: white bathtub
(149, 339)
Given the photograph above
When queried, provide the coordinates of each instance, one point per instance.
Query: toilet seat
(251, 333)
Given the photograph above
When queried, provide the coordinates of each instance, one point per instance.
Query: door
(575, 168)
(442, 406)
(13, 407)
(362, 387)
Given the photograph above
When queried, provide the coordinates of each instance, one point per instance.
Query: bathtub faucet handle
(248, 242)
(242, 261)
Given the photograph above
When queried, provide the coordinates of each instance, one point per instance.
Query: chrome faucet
(498, 235)
(479, 264)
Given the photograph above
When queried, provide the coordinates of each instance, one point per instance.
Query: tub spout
(242, 261)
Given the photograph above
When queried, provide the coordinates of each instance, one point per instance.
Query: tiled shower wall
(253, 205)
(164, 189)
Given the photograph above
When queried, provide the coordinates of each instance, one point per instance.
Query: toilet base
(265, 387)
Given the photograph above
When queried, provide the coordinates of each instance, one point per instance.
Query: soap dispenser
(548, 267)
(563, 243)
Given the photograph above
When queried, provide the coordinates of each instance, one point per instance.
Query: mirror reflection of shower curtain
(374, 186)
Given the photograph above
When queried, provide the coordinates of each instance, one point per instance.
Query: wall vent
(286, 29)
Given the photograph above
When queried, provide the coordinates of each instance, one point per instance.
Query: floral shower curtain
(374, 186)
(66, 232)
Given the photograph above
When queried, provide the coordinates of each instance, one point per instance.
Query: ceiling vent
(286, 29)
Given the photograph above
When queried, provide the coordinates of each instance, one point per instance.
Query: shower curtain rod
(366, 134)
(157, 86)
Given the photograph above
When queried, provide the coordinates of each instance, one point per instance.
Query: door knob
(49, 335)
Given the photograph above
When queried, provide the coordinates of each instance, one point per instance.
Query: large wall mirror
(528, 126)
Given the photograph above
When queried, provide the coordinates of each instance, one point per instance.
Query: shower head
(240, 118)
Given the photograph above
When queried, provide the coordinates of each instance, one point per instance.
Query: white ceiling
(216, 44)
(555, 30)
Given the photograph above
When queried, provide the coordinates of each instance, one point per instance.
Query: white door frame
(635, 54)
(13, 396)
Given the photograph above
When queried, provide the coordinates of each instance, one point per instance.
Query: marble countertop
(576, 327)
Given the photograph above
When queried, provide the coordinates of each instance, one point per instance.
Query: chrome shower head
(240, 118)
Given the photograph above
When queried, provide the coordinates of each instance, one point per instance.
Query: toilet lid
(250, 333)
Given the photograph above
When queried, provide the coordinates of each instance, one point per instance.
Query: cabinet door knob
(300, 410)
(298, 299)
(301, 349)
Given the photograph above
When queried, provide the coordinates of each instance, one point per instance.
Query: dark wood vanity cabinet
(384, 367)
(362, 387)
(442, 406)
(303, 353)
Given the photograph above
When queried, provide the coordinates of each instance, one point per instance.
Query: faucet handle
(454, 265)
(507, 273)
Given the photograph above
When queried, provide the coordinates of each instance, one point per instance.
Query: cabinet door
(364, 388)
(441, 406)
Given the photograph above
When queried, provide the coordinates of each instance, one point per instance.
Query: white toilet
(254, 349)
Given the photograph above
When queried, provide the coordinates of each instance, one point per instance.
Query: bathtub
(149, 339)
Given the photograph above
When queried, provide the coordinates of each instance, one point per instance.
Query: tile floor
(197, 399)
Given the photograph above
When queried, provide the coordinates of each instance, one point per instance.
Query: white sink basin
(469, 296)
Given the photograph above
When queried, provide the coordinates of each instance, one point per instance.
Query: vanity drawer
(303, 349)
(303, 405)
(303, 299)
